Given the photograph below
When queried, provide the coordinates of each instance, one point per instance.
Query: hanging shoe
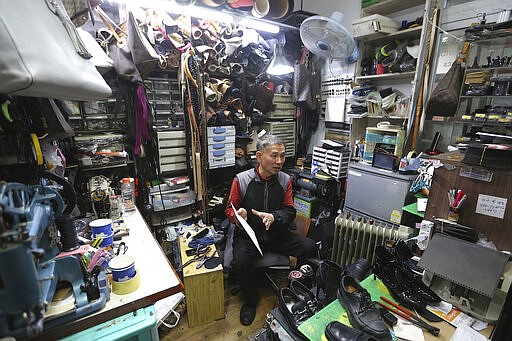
(328, 277)
(305, 295)
(386, 267)
(293, 308)
(337, 331)
(361, 311)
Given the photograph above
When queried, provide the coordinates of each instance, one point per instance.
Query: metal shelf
(484, 123)
(388, 76)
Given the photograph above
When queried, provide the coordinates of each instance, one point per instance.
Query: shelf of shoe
(204, 290)
(388, 76)
(414, 32)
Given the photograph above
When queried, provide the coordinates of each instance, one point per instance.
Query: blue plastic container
(123, 268)
(101, 227)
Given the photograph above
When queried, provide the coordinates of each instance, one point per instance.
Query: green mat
(314, 327)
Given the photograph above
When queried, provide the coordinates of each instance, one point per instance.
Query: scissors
(120, 248)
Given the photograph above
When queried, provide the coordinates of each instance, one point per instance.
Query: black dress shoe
(360, 269)
(305, 295)
(247, 313)
(361, 311)
(403, 254)
(388, 269)
(293, 308)
(336, 331)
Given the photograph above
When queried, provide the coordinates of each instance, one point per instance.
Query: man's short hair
(268, 140)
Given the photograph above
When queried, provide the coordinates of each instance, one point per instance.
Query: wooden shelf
(388, 76)
(390, 6)
(405, 34)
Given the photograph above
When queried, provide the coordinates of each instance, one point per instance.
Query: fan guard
(327, 37)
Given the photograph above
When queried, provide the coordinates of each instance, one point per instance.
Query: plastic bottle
(128, 194)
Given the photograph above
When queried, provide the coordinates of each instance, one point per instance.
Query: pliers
(197, 258)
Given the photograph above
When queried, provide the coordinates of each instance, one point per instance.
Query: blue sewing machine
(29, 272)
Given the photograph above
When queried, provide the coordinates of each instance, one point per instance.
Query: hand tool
(408, 315)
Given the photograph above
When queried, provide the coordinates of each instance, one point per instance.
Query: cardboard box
(373, 25)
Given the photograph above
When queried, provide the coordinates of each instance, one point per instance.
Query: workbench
(158, 280)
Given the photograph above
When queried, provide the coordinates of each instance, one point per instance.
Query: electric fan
(327, 37)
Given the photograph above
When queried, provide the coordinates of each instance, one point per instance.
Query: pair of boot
(401, 282)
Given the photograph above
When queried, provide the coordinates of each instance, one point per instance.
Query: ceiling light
(259, 25)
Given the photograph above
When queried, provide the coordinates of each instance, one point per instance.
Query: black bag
(444, 99)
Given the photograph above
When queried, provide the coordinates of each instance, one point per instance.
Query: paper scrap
(455, 317)
(406, 331)
(248, 229)
(422, 204)
(466, 333)
(479, 325)
(443, 306)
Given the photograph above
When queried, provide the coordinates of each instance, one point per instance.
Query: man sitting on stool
(263, 197)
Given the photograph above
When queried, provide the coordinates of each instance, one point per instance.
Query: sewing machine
(29, 270)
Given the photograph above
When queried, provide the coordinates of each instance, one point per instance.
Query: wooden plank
(390, 6)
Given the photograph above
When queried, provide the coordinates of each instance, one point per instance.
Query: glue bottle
(128, 194)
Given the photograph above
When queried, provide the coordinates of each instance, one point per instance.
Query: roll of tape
(126, 287)
(38, 153)
(411, 155)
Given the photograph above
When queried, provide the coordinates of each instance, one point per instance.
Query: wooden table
(158, 280)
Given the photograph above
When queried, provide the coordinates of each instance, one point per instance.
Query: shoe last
(360, 269)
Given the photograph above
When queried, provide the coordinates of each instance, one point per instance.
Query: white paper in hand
(248, 229)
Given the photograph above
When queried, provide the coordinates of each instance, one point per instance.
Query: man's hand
(242, 213)
(267, 218)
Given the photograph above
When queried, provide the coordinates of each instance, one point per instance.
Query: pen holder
(453, 214)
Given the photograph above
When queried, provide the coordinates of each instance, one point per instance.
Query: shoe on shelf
(305, 295)
(388, 269)
(337, 331)
(295, 310)
(328, 277)
(361, 311)
(360, 269)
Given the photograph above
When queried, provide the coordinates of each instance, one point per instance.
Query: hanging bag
(444, 100)
(42, 54)
(305, 84)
